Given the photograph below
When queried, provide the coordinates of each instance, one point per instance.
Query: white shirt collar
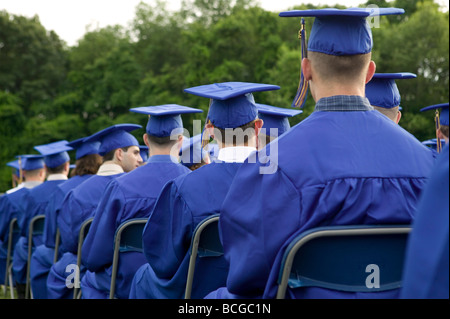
(110, 169)
(57, 177)
(235, 154)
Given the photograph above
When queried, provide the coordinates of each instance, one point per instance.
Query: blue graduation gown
(426, 266)
(334, 168)
(130, 196)
(182, 205)
(78, 205)
(43, 257)
(35, 203)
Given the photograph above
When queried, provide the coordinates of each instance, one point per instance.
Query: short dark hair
(56, 170)
(445, 130)
(110, 155)
(162, 141)
(230, 133)
(342, 67)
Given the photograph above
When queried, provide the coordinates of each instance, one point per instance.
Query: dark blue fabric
(133, 195)
(334, 168)
(182, 205)
(426, 268)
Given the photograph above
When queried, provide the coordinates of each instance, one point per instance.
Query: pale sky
(69, 18)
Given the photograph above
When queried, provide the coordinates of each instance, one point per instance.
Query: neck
(323, 90)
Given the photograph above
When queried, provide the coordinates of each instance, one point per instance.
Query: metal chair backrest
(345, 258)
(205, 243)
(35, 228)
(13, 236)
(84, 229)
(128, 237)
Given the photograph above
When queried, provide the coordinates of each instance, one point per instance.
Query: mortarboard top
(382, 91)
(232, 104)
(275, 117)
(31, 162)
(336, 32)
(55, 154)
(13, 164)
(84, 148)
(341, 31)
(164, 119)
(443, 117)
(114, 137)
(191, 151)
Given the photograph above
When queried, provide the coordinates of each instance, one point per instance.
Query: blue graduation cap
(55, 154)
(232, 103)
(275, 117)
(84, 148)
(382, 91)
(144, 152)
(165, 120)
(114, 137)
(191, 151)
(29, 162)
(336, 32)
(443, 115)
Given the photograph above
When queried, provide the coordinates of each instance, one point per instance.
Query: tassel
(438, 127)
(302, 91)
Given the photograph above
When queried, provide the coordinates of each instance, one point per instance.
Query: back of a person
(353, 183)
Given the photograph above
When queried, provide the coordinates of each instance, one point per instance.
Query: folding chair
(128, 237)
(35, 228)
(205, 243)
(13, 236)
(57, 240)
(345, 258)
(84, 229)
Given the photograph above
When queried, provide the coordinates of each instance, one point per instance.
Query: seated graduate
(276, 122)
(192, 154)
(426, 267)
(441, 121)
(35, 203)
(383, 94)
(133, 196)
(88, 161)
(345, 164)
(32, 172)
(184, 202)
(120, 152)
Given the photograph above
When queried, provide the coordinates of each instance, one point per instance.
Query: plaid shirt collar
(343, 103)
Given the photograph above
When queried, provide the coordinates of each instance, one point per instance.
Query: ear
(399, 116)
(370, 71)
(258, 125)
(118, 154)
(146, 140)
(306, 69)
(210, 129)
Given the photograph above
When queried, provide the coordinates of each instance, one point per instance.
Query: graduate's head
(192, 155)
(56, 158)
(441, 119)
(164, 131)
(88, 159)
(337, 58)
(31, 167)
(233, 117)
(383, 94)
(276, 122)
(118, 145)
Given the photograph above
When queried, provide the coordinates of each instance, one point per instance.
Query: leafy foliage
(50, 92)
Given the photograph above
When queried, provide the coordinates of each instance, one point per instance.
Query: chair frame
(298, 242)
(195, 242)
(13, 225)
(57, 240)
(85, 226)
(117, 248)
(31, 234)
